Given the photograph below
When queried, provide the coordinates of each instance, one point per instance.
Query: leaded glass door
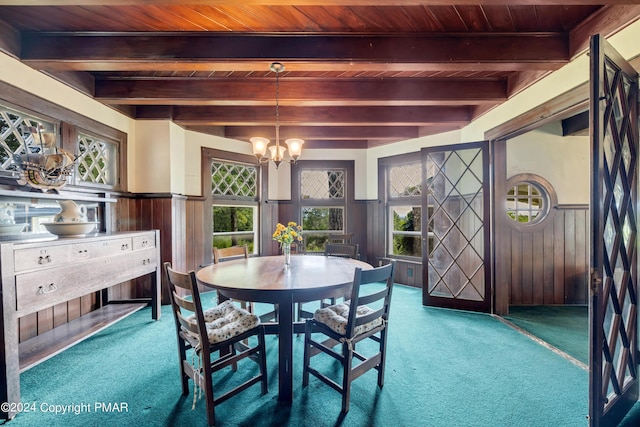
(613, 319)
(455, 226)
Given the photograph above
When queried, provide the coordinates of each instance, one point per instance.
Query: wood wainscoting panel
(197, 238)
(144, 212)
(548, 266)
(408, 273)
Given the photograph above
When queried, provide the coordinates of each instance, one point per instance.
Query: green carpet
(564, 327)
(444, 368)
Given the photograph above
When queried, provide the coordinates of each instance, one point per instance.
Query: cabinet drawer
(41, 257)
(102, 248)
(41, 289)
(53, 256)
(117, 269)
(143, 242)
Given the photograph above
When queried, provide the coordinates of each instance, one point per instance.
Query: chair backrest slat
(345, 238)
(364, 277)
(189, 325)
(361, 320)
(372, 297)
(336, 249)
(184, 302)
(224, 254)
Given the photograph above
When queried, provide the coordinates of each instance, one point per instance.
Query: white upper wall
(152, 149)
(563, 161)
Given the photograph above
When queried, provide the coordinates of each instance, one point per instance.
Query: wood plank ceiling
(358, 73)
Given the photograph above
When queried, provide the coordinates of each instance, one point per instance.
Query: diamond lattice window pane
(228, 179)
(97, 160)
(13, 138)
(322, 184)
(404, 180)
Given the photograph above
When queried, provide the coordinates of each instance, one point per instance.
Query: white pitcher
(71, 212)
(7, 214)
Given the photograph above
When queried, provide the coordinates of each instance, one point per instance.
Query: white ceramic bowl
(11, 228)
(70, 229)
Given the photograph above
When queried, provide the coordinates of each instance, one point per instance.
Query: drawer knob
(51, 288)
(145, 243)
(44, 259)
(124, 246)
(146, 261)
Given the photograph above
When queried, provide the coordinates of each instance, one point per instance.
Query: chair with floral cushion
(345, 326)
(217, 329)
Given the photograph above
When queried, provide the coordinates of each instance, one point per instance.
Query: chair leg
(307, 344)
(232, 351)
(208, 389)
(263, 360)
(346, 377)
(182, 355)
(383, 357)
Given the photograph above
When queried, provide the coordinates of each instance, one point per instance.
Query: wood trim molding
(564, 105)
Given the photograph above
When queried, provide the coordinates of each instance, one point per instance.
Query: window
(403, 197)
(525, 203)
(16, 139)
(234, 192)
(322, 201)
(97, 161)
(406, 234)
(528, 198)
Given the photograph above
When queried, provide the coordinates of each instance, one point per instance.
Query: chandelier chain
(277, 108)
(261, 145)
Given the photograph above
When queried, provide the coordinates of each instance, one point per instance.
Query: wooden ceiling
(358, 73)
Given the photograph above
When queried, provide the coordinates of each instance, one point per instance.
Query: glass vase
(286, 251)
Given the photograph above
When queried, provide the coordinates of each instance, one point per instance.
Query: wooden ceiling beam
(300, 2)
(301, 91)
(307, 116)
(324, 133)
(608, 20)
(9, 39)
(90, 51)
(340, 66)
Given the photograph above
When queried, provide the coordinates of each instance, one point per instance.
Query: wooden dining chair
(236, 252)
(344, 238)
(217, 329)
(364, 316)
(298, 248)
(342, 249)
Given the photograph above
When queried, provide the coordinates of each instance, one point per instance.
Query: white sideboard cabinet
(40, 274)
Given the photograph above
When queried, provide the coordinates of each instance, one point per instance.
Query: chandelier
(276, 151)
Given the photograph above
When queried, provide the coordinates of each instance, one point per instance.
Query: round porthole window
(528, 199)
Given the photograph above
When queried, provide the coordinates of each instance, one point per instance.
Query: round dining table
(267, 279)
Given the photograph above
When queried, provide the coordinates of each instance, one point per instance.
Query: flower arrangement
(286, 235)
